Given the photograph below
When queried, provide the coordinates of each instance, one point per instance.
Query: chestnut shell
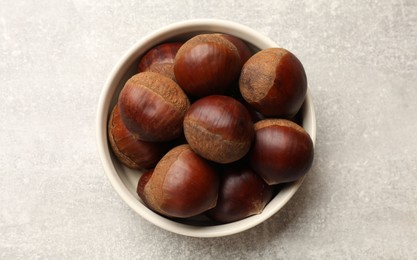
(207, 64)
(274, 82)
(242, 193)
(143, 180)
(282, 151)
(160, 59)
(152, 107)
(182, 184)
(244, 51)
(131, 151)
(219, 128)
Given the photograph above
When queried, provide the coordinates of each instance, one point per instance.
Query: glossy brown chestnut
(244, 51)
(143, 180)
(242, 193)
(160, 59)
(182, 184)
(219, 128)
(152, 107)
(207, 64)
(282, 151)
(132, 152)
(274, 82)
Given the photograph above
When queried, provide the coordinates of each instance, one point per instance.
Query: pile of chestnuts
(213, 125)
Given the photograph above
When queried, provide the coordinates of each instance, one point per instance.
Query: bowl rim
(102, 114)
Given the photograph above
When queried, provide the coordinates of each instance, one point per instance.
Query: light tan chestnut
(182, 184)
(152, 107)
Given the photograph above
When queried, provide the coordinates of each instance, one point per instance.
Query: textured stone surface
(358, 202)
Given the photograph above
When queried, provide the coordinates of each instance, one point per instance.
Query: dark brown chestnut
(274, 82)
(244, 51)
(132, 152)
(160, 59)
(219, 128)
(152, 107)
(207, 64)
(242, 193)
(182, 184)
(282, 151)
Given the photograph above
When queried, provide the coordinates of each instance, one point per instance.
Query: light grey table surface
(359, 201)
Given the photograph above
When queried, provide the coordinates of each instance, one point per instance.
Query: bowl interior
(124, 180)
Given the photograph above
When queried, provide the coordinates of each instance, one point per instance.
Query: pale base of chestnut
(124, 180)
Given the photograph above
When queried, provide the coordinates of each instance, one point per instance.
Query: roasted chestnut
(282, 151)
(219, 128)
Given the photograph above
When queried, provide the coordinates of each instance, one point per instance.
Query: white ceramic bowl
(124, 180)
